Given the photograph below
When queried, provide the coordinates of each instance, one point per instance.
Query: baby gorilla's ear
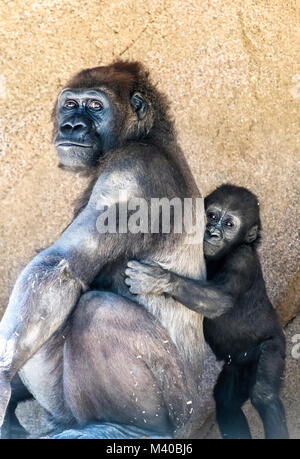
(251, 234)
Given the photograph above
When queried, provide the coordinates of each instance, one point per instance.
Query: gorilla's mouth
(72, 144)
(76, 154)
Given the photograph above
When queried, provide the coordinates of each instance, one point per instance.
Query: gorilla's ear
(252, 234)
(139, 105)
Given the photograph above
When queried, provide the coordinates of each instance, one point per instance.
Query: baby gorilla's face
(223, 231)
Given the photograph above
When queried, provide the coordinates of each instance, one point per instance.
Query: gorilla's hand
(145, 279)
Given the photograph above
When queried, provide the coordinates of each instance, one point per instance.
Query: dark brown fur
(163, 342)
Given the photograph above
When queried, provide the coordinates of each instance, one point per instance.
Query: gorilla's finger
(134, 264)
(130, 272)
(151, 263)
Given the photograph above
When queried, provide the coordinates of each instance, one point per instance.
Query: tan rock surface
(231, 70)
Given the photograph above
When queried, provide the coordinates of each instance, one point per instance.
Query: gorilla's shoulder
(138, 158)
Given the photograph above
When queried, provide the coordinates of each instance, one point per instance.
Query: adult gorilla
(85, 347)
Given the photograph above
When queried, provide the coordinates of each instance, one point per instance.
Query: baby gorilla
(240, 324)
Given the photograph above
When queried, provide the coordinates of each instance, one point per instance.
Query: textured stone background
(232, 73)
(230, 70)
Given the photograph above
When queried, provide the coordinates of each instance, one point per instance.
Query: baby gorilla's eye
(212, 216)
(95, 105)
(229, 223)
(69, 104)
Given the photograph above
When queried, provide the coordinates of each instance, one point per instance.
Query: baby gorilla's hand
(144, 279)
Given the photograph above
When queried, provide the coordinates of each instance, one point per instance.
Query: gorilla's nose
(213, 232)
(74, 126)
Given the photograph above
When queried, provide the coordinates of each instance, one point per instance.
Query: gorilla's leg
(265, 391)
(121, 366)
(231, 392)
(107, 430)
(11, 427)
(43, 376)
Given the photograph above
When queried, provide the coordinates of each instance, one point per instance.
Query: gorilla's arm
(210, 298)
(50, 285)
(199, 296)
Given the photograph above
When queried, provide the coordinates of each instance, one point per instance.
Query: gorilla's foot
(107, 430)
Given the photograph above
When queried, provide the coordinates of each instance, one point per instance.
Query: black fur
(240, 323)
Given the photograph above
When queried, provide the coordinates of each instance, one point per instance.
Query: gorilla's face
(223, 231)
(89, 123)
(85, 126)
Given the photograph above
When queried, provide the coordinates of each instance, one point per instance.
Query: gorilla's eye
(69, 104)
(95, 105)
(228, 223)
(212, 216)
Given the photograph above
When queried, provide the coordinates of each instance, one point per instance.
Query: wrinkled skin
(89, 126)
(82, 139)
(240, 324)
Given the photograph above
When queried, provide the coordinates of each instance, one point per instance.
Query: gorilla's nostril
(66, 127)
(69, 127)
(78, 127)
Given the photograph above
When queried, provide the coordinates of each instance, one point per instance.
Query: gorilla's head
(103, 108)
(232, 214)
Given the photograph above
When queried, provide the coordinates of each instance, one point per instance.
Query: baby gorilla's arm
(199, 296)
